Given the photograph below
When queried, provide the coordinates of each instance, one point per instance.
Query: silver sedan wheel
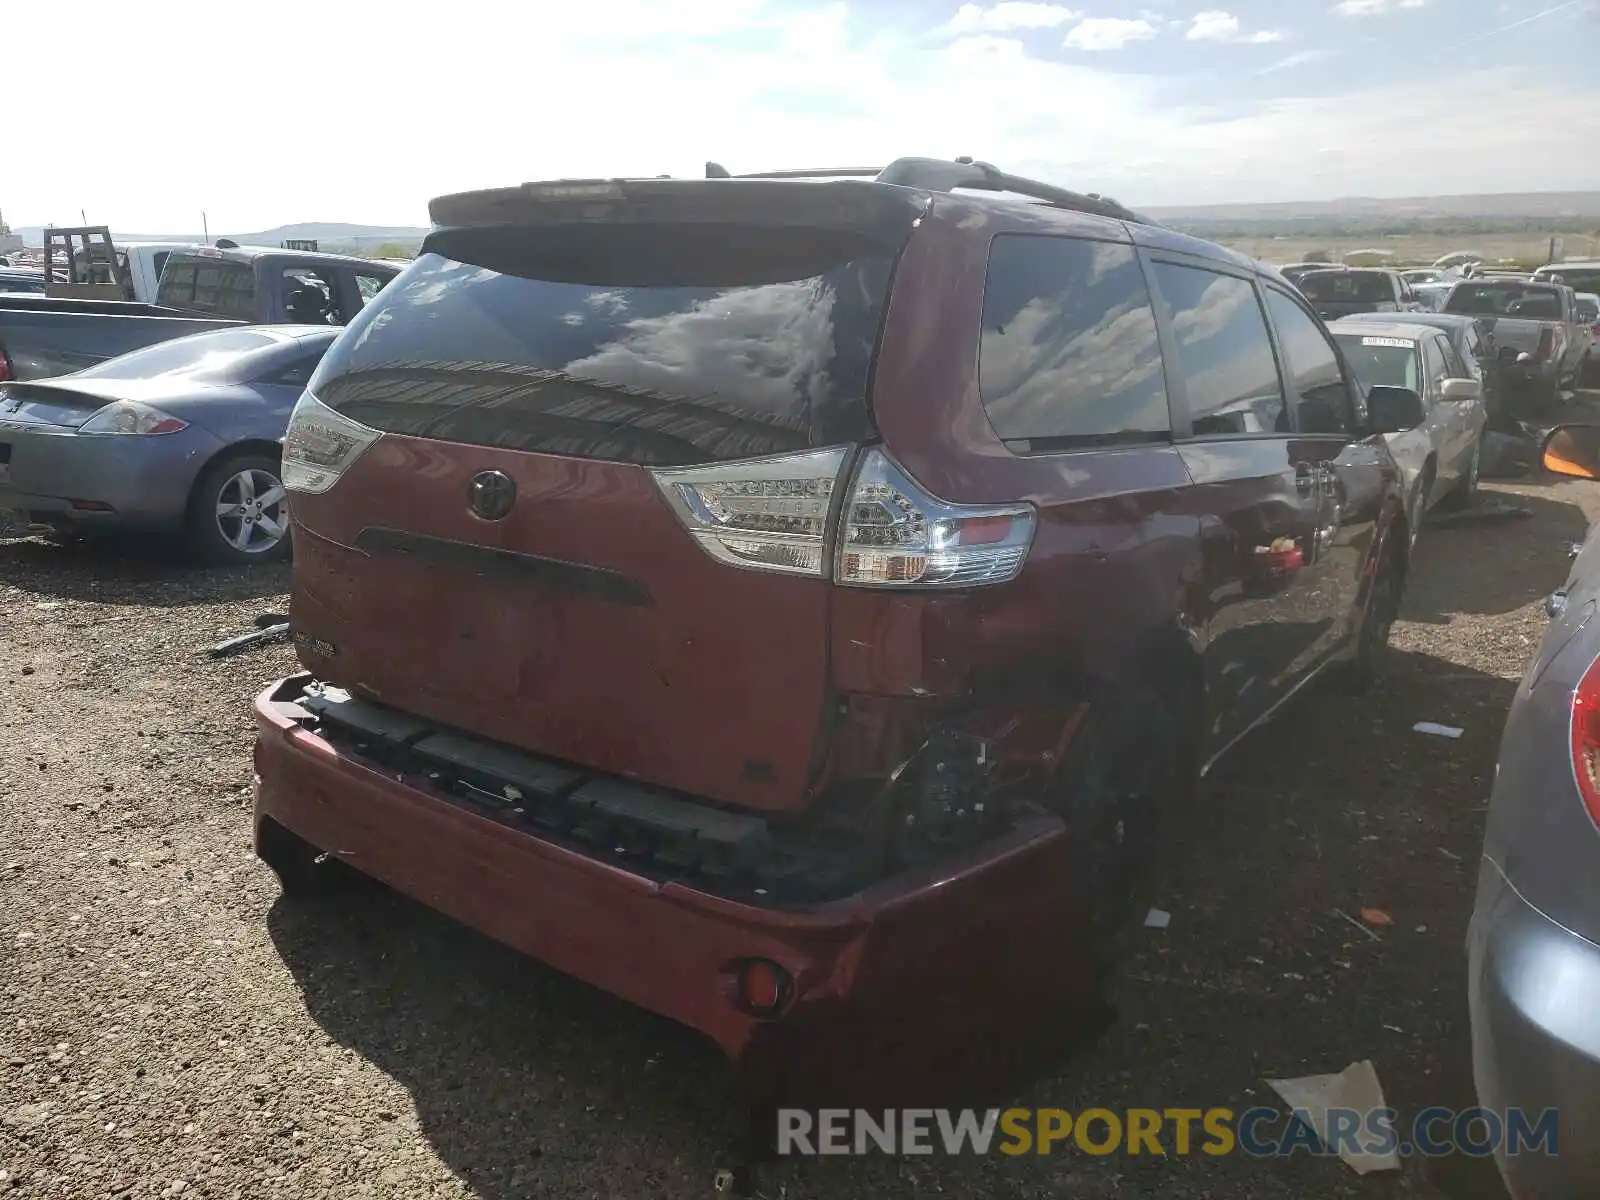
(252, 515)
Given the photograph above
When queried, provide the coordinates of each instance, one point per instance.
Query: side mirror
(1394, 409)
(1461, 389)
(1573, 450)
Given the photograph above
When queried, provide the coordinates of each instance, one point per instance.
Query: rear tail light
(1594, 329)
(6, 376)
(320, 445)
(894, 533)
(778, 514)
(132, 419)
(1586, 738)
(768, 514)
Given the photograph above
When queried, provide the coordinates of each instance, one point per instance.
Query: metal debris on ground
(1437, 730)
(249, 641)
(1157, 919)
(1376, 916)
(1344, 916)
(1355, 1088)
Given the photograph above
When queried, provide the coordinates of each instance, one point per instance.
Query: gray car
(1534, 942)
(184, 436)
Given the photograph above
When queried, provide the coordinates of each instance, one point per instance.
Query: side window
(225, 288)
(1317, 385)
(1068, 353)
(1224, 352)
(311, 297)
(1455, 367)
(1434, 371)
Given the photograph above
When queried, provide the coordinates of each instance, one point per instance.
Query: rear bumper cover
(1536, 1034)
(143, 481)
(950, 944)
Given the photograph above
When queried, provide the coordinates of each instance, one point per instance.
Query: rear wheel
(1132, 762)
(239, 512)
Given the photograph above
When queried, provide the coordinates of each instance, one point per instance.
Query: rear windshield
(663, 346)
(206, 353)
(1380, 361)
(213, 286)
(1508, 299)
(1355, 287)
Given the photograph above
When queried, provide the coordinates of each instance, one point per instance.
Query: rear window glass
(658, 346)
(1508, 299)
(209, 285)
(1584, 279)
(1381, 361)
(1069, 354)
(1359, 287)
(206, 353)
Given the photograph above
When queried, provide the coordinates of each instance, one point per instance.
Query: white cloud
(1006, 16)
(1108, 33)
(1373, 8)
(818, 88)
(1214, 25)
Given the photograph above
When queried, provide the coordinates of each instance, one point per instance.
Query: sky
(266, 114)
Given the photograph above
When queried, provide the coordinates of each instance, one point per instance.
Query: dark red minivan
(782, 601)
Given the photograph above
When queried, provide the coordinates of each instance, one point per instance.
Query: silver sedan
(181, 437)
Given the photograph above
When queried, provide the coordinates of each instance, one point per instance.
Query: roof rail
(943, 175)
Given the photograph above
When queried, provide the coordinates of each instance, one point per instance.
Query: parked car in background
(1534, 940)
(533, 469)
(1293, 271)
(1537, 330)
(1416, 275)
(200, 289)
(19, 281)
(1339, 291)
(1473, 342)
(1441, 456)
(181, 437)
(1581, 276)
(1431, 296)
(1589, 310)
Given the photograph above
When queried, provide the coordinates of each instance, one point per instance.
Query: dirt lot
(169, 1025)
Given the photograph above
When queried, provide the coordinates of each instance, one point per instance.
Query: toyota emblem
(492, 494)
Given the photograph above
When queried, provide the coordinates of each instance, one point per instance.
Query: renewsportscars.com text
(1433, 1132)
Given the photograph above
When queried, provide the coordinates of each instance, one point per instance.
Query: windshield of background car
(1340, 287)
(1380, 361)
(203, 354)
(632, 343)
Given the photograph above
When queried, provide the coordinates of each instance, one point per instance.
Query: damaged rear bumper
(951, 944)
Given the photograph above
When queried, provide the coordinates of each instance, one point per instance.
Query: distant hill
(1546, 206)
(324, 233)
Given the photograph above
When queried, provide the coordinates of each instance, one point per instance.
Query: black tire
(1372, 640)
(1465, 492)
(1133, 763)
(250, 534)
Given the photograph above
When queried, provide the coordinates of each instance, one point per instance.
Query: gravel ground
(168, 1025)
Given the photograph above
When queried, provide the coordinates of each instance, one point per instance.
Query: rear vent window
(660, 346)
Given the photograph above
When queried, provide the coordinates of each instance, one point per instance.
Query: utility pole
(204, 228)
(83, 217)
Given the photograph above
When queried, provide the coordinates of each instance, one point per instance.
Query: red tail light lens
(5, 366)
(1586, 738)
